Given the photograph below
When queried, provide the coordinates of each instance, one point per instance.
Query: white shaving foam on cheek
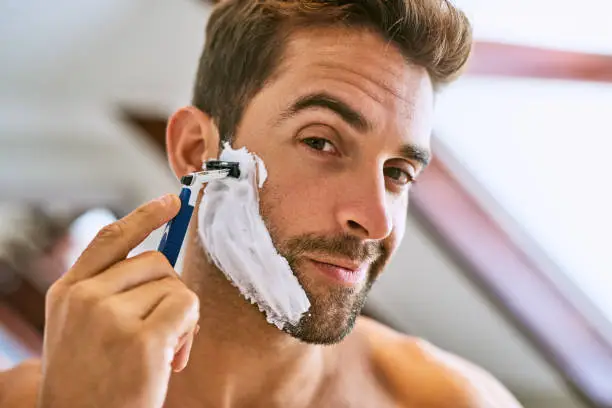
(236, 239)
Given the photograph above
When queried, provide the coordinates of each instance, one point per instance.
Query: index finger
(115, 241)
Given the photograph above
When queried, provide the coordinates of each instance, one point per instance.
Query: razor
(176, 229)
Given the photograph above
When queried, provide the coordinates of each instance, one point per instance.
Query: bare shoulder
(420, 374)
(19, 385)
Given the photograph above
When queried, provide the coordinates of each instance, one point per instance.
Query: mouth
(343, 271)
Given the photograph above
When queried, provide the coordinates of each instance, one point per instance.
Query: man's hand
(116, 327)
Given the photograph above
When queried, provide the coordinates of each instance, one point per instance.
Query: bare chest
(353, 385)
(354, 390)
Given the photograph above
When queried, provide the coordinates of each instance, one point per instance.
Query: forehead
(359, 67)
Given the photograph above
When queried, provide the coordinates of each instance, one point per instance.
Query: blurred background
(506, 260)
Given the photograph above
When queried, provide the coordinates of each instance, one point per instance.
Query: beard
(333, 308)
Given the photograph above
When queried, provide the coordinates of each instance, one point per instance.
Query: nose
(363, 209)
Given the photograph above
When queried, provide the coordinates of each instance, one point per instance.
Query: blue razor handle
(176, 229)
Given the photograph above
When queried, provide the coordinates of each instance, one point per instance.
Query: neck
(237, 356)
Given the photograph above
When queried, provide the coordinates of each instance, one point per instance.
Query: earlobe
(191, 138)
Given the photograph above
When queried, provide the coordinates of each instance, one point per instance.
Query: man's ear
(191, 138)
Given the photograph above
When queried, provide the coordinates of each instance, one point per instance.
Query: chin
(313, 335)
(333, 312)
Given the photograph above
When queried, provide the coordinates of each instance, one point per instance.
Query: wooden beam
(508, 60)
(151, 126)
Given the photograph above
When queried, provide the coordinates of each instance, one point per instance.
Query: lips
(342, 271)
(340, 263)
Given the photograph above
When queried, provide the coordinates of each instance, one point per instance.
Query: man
(337, 99)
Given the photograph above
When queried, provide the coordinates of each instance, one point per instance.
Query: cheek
(294, 200)
(294, 205)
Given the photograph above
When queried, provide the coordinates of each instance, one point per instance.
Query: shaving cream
(236, 239)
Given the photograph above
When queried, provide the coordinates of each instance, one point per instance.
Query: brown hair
(245, 39)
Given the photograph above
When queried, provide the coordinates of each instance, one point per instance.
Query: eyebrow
(416, 153)
(354, 118)
(323, 100)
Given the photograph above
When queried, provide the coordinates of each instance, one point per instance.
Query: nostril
(355, 225)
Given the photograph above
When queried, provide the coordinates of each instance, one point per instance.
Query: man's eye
(398, 175)
(320, 144)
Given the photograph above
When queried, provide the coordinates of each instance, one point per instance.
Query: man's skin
(116, 328)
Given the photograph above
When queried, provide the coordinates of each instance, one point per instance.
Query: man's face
(343, 129)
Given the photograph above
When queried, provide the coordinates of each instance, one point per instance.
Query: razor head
(232, 167)
(215, 169)
(188, 180)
